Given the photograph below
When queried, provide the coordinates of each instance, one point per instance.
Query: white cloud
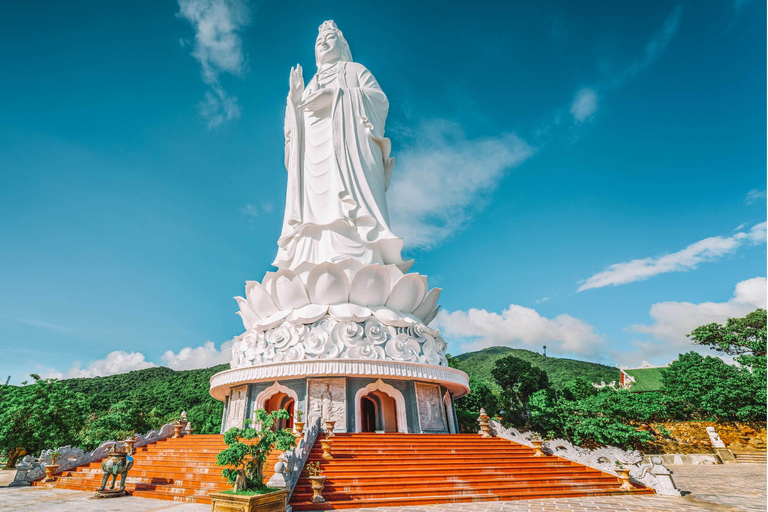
(219, 49)
(115, 362)
(755, 195)
(655, 47)
(584, 105)
(249, 211)
(709, 249)
(673, 320)
(440, 180)
(199, 357)
(520, 327)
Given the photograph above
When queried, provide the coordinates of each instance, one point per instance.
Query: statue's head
(331, 45)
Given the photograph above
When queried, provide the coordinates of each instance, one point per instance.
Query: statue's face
(328, 47)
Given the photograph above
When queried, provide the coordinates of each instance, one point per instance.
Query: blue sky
(590, 176)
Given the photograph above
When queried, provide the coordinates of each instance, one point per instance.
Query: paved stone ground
(721, 488)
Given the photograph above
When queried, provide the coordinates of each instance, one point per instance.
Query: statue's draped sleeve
(293, 134)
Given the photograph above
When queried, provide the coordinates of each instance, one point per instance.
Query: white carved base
(455, 380)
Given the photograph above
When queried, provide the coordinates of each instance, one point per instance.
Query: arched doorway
(281, 401)
(276, 397)
(379, 412)
(380, 407)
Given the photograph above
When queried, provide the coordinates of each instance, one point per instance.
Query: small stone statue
(117, 463)
(714, 438)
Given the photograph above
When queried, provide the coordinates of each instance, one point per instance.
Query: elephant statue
(118, 463)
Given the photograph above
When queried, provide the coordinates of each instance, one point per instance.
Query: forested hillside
(478, 366)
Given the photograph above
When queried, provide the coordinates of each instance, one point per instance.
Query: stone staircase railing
(291, 463)
(654, 475)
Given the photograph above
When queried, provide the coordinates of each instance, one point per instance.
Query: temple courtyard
(714, 488)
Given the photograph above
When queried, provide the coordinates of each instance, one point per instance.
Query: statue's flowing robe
(338, 171)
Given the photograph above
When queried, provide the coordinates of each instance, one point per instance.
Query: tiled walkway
(723, 488)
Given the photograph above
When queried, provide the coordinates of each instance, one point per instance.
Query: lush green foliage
(695, 387)
(42, 415)
(246, 460)
(478, 365)
(87, 412)
(702, 387)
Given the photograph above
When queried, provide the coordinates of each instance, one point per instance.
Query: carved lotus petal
(390, 317)
(432, 315)
(248, 316)
(349, 312)
(272, 320)
(370, 287)
(328, 284)
(407, 293)
(428, 304)
(266, 283)
(394, 273)
(308, 314)
(288, 290)
(350, 268)
(303, 271)
(259, 300)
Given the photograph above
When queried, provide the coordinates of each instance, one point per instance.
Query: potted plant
(50, 469)
(316, 479)
(299, 423)
(245, 456)
(129, 442)
(623, 474)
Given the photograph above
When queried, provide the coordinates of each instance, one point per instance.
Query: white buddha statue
(338, 163)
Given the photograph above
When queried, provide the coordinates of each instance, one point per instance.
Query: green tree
(518, 380)
(42, 415)
(744, 338)
(703, 387)
(246, 459)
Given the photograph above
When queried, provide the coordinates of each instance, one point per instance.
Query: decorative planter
(270, 502)
(485, 429)
(49, 472)
(317, 482)
(299, 426)
(327, 443)
(537, 448)
(177, 428)
(329, 427)
(623, 474)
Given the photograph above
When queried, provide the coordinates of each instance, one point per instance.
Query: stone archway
(278, 396)
(391, 392)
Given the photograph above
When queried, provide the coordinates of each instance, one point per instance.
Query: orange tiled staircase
(368, 470)
(173, 469)
(375, 470)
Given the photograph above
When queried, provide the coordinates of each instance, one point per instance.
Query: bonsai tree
(248, 448)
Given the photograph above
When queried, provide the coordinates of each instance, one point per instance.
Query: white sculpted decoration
(338, 163)
(340, 291)
(328, 398)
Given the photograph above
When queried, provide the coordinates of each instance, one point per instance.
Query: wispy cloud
(673, 320)
(709, 249)
(441, 178)
(218, 48)
(755, 195)
(586, 101)
(518, 327)
(584, 105)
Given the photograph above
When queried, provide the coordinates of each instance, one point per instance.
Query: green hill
(478, 366)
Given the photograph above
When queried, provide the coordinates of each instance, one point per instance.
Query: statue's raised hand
(296, 83)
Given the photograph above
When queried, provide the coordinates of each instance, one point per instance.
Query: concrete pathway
(721, 488)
